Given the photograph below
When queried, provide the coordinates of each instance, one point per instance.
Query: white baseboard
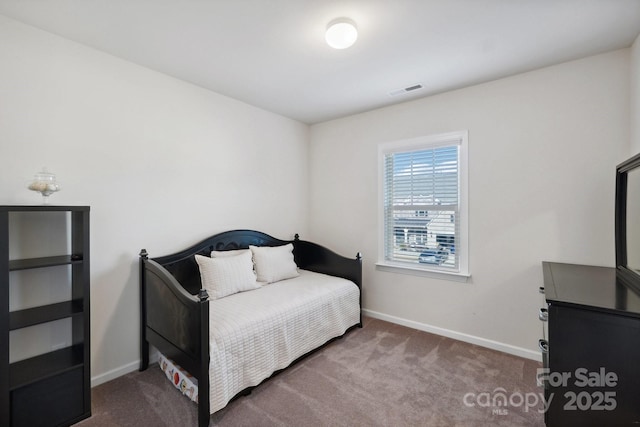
(114, 373)
(483, 342)
(123, 370)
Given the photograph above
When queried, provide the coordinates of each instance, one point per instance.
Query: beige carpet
(380, 375)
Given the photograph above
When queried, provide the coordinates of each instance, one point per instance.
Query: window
(423, 212)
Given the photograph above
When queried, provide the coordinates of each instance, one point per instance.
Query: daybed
(234, 342)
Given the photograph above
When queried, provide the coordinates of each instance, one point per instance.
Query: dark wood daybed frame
(174, 310)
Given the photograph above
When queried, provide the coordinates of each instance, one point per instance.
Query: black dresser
(591, 347)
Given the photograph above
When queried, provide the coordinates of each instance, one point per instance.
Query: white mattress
(255, 333)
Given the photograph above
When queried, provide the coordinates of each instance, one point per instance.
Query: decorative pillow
(232, 252)
(227, 275)
(274, 263)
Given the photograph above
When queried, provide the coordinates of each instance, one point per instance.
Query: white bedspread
(258, 332)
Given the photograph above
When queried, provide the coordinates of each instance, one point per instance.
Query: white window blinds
(421, 213)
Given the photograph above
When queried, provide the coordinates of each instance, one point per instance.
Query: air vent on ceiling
(406, 89)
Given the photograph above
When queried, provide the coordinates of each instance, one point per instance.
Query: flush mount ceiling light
(341, 33)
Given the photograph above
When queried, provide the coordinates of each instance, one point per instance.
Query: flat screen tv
(628, 222)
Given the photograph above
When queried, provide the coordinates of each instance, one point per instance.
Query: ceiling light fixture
(341, 33)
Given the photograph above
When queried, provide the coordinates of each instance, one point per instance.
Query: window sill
(422, 272)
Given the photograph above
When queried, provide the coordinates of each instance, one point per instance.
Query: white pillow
(227, 275)
(233, 252)
(274, 263)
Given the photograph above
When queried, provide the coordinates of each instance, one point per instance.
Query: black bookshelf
(53, 388)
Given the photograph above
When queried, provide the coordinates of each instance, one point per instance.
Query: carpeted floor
(380, 375)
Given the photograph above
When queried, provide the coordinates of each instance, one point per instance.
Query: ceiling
(272, 53)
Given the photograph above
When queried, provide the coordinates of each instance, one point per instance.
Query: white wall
(543, 147)
(162, 163)
(635, 97)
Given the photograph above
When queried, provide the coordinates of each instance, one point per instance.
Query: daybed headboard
(184, 268)
(308, 255)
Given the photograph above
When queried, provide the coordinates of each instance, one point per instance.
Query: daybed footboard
(313, 257)
(177, 324)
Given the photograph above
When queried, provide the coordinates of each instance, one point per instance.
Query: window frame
(459, 138)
